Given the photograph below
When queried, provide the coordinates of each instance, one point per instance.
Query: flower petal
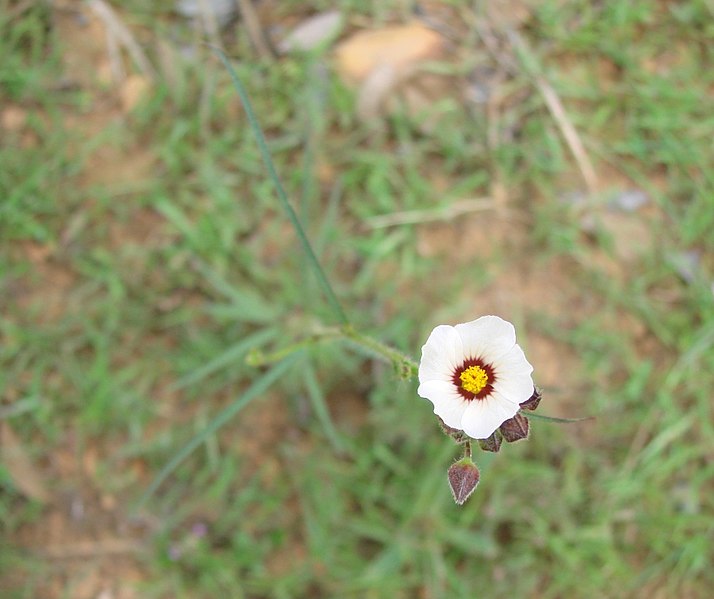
(513, 375)
(441, 354)
(514, 361)
(448, 403)
(488, 337)
(515, 389)
(483, 416)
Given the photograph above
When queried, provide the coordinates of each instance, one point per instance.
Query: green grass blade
(319, 406)
(289, 211)
(259, 387)
(233, 355)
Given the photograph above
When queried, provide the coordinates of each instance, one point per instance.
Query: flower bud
(493, 443)
(458, 436)
(463, 478)
(532, 402)
(515, 428)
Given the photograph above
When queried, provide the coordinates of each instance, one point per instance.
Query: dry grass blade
(209, 21)
(569, 133)
(414, 217)
(89, 549)
(121, 32)
(555, 106)
(550, 96)
(255, 29)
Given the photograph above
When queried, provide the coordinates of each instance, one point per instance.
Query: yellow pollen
(473, 379)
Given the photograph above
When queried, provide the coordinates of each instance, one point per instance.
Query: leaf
(17, 462)
(259, 387)
(285, 204)
(233, 355)
(313, 32)
(401, 47)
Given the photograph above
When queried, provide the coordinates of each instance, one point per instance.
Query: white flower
(475, 375)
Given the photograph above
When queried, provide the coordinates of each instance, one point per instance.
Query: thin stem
(529, 414)
(260, 358)
(292, 216)
(406, 367)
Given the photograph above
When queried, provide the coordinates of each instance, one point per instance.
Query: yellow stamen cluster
(473, 379)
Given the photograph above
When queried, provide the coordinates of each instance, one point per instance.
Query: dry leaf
(133, 91)
(22, 471)
(400, 48)
(312, 32)
(13, 118)
(388, 63)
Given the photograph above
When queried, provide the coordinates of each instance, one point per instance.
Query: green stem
(260, 358)
(529, 414)
(405, 367)
(292, 216)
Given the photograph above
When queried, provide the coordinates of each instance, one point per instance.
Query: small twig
(569, 133)
(413, 217)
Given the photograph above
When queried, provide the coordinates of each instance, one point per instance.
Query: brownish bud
(463, 479)
(493, 443)
(515, 428)
(458, 436)
(532, 402)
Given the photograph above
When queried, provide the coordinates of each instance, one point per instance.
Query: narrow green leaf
(259, 387)
(282, 196)
(319, 406)
(528, 414)
(233, 355)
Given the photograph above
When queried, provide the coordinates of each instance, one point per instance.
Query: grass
(132, 295)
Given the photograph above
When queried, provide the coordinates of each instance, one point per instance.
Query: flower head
(475, 374)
